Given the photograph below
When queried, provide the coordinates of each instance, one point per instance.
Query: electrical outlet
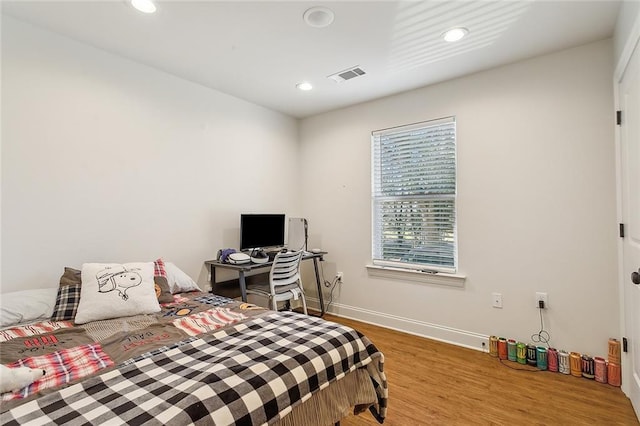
(339, 276)
(542, 296)
(496, 300)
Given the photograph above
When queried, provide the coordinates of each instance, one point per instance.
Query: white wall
(107, 160)
(628, 18)
(536, 202)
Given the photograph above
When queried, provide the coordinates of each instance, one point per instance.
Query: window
(414, 196)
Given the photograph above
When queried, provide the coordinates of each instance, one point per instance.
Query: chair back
(285, 269)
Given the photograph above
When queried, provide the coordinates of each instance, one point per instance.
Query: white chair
(285, 283)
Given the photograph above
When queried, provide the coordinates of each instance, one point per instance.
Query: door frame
(632, 42)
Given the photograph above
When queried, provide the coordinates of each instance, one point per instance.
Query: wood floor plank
(434, 383)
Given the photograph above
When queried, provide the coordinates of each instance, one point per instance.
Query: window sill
(440, 278)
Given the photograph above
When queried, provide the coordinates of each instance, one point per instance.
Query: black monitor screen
(261, 230)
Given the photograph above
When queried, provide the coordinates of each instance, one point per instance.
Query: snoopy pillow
(112, 290)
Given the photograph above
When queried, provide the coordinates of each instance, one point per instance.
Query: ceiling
(259, 50)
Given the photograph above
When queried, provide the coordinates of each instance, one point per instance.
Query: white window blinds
(414, 196)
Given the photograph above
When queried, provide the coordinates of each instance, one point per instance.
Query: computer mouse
(316, 250)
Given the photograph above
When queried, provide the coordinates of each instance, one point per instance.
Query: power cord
(333, 287)
(328, 284)
(541, 336)
(518, 367)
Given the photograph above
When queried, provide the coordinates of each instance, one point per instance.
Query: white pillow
(179, 282)
(27, 305)
(111, 290)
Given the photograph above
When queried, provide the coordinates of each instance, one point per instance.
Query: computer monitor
(261, 231)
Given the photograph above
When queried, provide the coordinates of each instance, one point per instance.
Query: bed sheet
(203, 356)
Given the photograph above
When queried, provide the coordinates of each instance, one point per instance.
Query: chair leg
(304, 300)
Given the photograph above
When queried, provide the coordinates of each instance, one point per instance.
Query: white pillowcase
(111, 290)
(179, 282)
(27, 305)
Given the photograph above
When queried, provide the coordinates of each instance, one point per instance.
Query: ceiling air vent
(347, 74)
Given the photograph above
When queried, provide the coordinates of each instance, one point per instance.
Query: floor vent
(347, 74)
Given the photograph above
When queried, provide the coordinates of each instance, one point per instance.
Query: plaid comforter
(250, 373)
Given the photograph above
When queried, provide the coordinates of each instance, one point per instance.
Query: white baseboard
(441, 333)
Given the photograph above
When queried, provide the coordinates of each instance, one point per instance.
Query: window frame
(420, 267)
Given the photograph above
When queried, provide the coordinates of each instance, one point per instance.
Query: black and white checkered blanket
(252, 373)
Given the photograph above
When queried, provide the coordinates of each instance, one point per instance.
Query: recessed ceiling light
(455, 34)
(304, 86)
(318, 17)
(145, 6)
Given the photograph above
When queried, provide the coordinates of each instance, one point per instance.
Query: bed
(202, 359)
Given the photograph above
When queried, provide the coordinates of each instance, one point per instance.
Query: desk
(248, 267)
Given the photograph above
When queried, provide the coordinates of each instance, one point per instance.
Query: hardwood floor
(434, 383)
